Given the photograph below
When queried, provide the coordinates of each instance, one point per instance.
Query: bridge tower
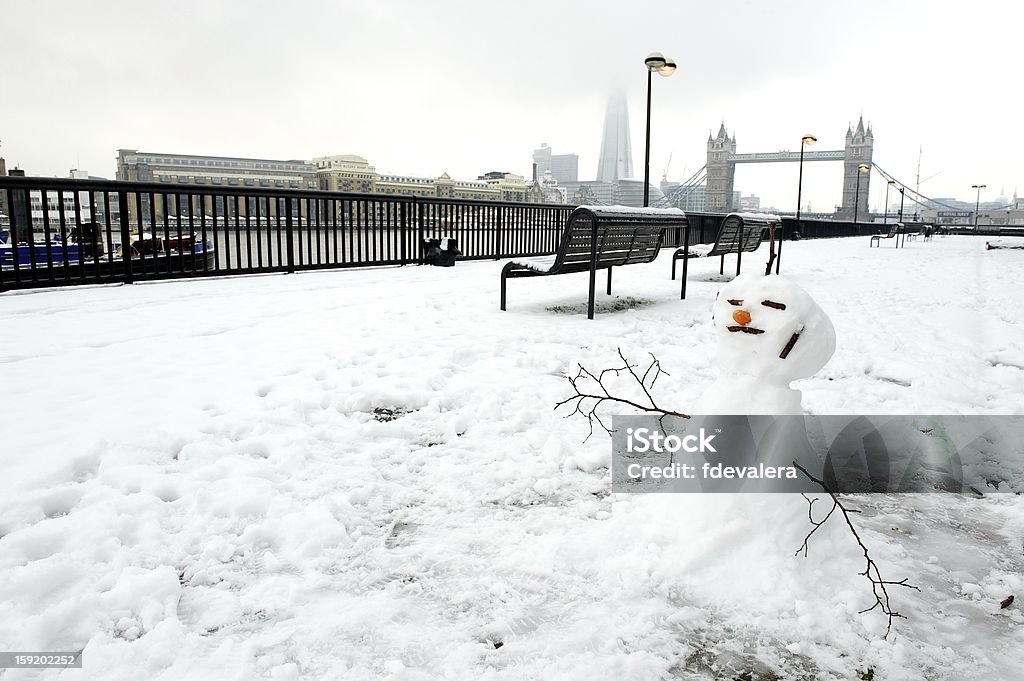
(721, 173)
(859, 146)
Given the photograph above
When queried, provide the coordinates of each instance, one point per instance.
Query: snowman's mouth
(744, 329)
(789, 346)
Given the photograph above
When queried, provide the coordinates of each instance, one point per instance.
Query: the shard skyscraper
(616, 161)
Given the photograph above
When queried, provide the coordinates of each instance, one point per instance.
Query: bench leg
(686, 262)
(739, 261)
(674, 267)
(504, 278)
(721, 266)
(590, 297)
(682, 286)
(593, 269)
(609, 281)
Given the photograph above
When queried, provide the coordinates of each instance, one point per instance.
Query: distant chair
(894, 232)
(739, 233)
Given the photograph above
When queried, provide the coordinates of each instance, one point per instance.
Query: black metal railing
(65, 231)
(704, 229)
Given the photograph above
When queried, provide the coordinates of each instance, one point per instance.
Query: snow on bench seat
(993, 244)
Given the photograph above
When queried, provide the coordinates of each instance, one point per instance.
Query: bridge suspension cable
(683, 190)
(911, 193)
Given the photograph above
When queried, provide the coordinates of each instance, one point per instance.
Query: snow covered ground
(359, 475)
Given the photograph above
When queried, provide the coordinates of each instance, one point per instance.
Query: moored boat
(86, 249)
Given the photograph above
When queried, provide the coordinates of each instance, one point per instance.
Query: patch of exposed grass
(616, 305)
(386, 414)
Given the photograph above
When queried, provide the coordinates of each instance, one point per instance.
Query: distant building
(1006, 215)
(592, 193)
(74, 206)
(209, 171)
(142, 166)
(631, 193)
(346, 173)
(685, 198)
(750, 204)
(350, 173)
(616, 159)
(550, 189)
(564, 167)
(512, 187)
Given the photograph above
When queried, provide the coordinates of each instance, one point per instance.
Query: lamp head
(809, 140)
(863, 167)
(655, 61)
(668, 69)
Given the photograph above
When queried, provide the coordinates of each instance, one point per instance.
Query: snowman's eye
(734, 301)
(772, 303)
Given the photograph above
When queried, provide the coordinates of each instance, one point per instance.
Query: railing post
(404, 229)
(126, 235)
(13, 235)
(419, 232)
(290, 233)
(500, 232)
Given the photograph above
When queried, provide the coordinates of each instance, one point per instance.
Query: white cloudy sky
(466, 87)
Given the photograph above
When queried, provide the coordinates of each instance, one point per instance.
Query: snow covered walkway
(359, 475)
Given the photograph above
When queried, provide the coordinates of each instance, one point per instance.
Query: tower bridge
(722, 160)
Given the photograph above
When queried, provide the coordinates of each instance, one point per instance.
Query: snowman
(770, 332)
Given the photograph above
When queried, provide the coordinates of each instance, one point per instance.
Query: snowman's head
(770, 328)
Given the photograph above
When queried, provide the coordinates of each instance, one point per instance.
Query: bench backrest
(624, 237)
(742, 233)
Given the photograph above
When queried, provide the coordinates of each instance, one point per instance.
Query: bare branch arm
(592, 392)
(871, 571)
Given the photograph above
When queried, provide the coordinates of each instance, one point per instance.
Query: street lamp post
(977, 202)
(806, 140)
(885, 220)
(902, 227)
(862, 168)
(665, 66)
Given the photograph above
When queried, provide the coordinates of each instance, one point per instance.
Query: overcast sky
(421, 88)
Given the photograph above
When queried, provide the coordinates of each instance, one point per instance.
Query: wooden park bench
(894, 233)
(740, 233)
(600, 237)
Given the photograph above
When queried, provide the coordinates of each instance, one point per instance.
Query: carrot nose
(741, 317)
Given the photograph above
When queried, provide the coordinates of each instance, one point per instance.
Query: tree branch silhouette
(592, 392)
(879, 585)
